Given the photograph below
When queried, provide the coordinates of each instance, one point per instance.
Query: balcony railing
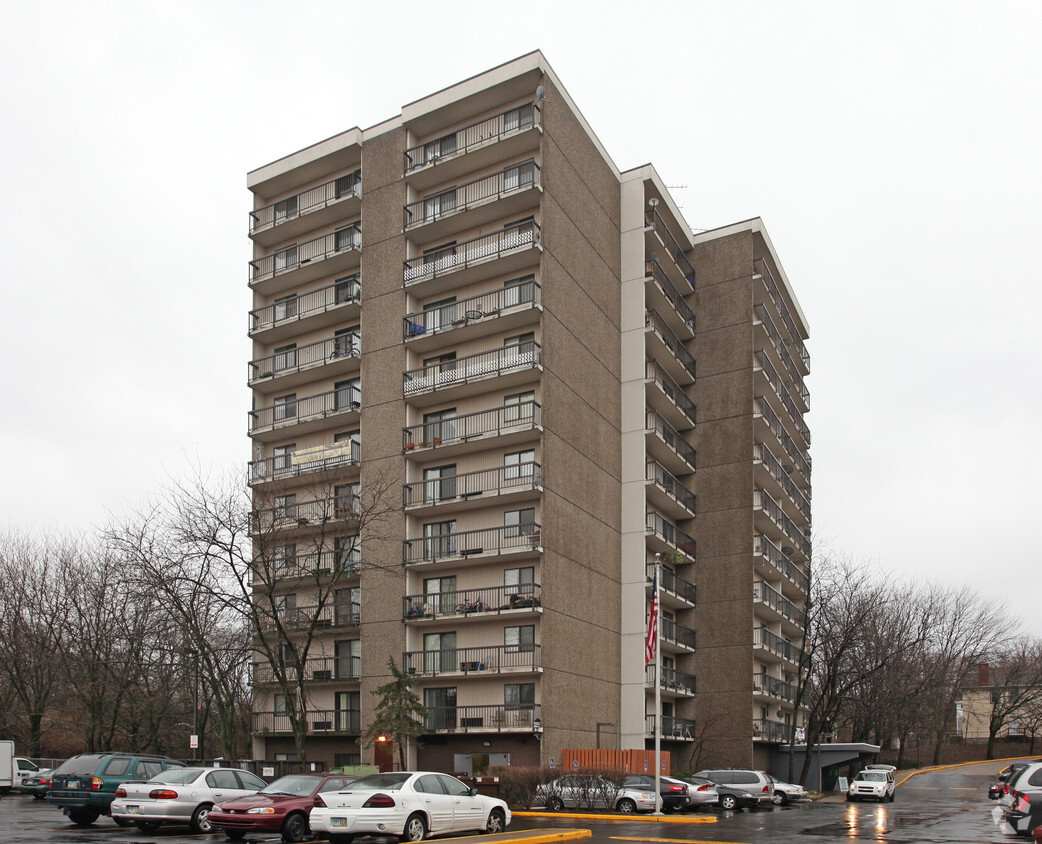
(782, 348)
(302, 409)
(771, 597)
(480, 424)
(302, 513)
(670, 485)
(306, 461)
(305, 357)
(431, 549)
(764, 638)
(658, 325)
(307, 201)
(653, 219)
(773, 554)
(774, 511)
(315, 668)
(468, 602)
(519, 476)
(315, 617)
(775, 380)
(800, 461)
(318, 720)
(522, 717)
(653, 371)
(476, 251)
(671, 437)
(774, 687)
(484, 132)
(779, 303)
(653, 269)
(672, 583)
(477, 367)
(664, 528)
(777, 471)
(677, 633)
(492, 659)
(471, 309)
(294, 256)
(343, 292)
(672, 680)
(345, 563)
(672, 728)
(765, 729)
(509, 180)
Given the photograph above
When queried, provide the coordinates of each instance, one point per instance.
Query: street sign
(193, 742)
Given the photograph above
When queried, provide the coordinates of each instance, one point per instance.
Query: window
(348, 659)
(439, 594)
(520, 344)
(349, 715)
(433, 150)
(282, 705)
(285, 407)
(518, 233)
(285, 307)
(443, 257)
(117, 766)
(285, 209)
(520, 176)
(439, 365)
(348, 394)
(286, 258)
(519, 118)
(519, 581)
(349, 185)
(439, 484)
(519, 639)
(518, 291)
(285, 506)
(347, 342)
(285, 357)
(519, 522)
(441, 706)
(439, 539)
(347, 553)
(348, 289)
(354, 436)
(518, 407)
(344, 760)
(439, 205)
(284, 557)
(440, 424)
(346, 238)
(518, 464)
(283, 458)
(439, 652)
(345, 500)
(348, 605)
(518, 695)
(439, 314)
(222, 779)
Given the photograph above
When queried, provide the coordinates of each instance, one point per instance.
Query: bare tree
(1017, 687)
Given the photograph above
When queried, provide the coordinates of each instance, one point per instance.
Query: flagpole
(658, 687)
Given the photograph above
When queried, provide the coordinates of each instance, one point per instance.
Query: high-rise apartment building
(495, 378)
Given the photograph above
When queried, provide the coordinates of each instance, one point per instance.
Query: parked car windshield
(81, 765)
(298, 785)
(871, 776)
(387, 782)
(177, 776)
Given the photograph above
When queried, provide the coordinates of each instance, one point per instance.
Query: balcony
(667, 446)
(769, 465)
(347, 722)
(673, 729)
(780, 608)
(320, 564)
(765, 729)
(653, 222)
(763, 365)
(672, 585)
(673, 682)
(667, 396)
(474, 489)
(512, 132)
(473, 545)
(661, 294)
(774, 293)
(667, 348)
(771, 560)
(306, 211)
(773, 687)
(456, 265)
(778, 518)
(293, 619)
(329, 254)
(512, 364)
(494, 659)
(495, 312)
(466, 603)
(334, 304)
(675, 637)
(291, 367)
(799, 461)
(781, 349)
(317, 668)
(664, 536)
(667, 493)
(318, 461)
(494, 197)
(517, 718)
(469, 432)
(306, 514)
(304, 414)
(771, 647)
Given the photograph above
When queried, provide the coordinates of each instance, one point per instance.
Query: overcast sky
(892, 149)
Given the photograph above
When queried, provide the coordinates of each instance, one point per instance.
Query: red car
(284, 806)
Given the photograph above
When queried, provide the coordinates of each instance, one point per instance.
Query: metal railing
(468, 426)
(338, 294)
(458, 199)
(773, 554)
(492, 717)
(672, 728)
(318, 720)
(774, 511)
(670, 436)
(305, 357)
(775, 380)
(486, 131)
(672, 680)
(764, 638)
(800, 460)
(771, 597)
(654, 371)
(654, 270)
(467, 602)
(767, 685)
(782, 348)
(768, 730)
(783, 310)
(476, 367)
(306, 618)
(675, 584)
(318, 249)
(653, 219)
(491, 659)
(663, 527)
(431, 549)
(317, 564)
(478, 250)
(665, 481)
(306, 461)
(301, 513)
(302, 409)
(777, 471)
(518, 476)
(656, 323)
(471, 309)
(315, 668)
(344, 187)
(677, 633)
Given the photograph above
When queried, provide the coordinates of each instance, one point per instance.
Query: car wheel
(626, 805)
(123, 822)
(82, 817)
(893, 796)
(295, 828)
(851, 799)
(341, 839)
(497, 822)
(200, 822)
(728, 801)
(147, 826)
(415, 829)
(779, 798)
(235, 834)
(554, 804)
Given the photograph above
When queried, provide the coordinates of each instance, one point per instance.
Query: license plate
(133, 810)
(73, 785)
(337, 823)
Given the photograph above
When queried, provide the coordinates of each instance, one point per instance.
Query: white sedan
(181, 795)
(408, 804)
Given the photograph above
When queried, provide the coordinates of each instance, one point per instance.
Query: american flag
(649, 643)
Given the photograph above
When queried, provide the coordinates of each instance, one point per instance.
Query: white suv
(872, 785)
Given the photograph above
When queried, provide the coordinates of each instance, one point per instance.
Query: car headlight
(260, 810)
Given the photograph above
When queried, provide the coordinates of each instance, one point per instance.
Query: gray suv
(755, 782)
